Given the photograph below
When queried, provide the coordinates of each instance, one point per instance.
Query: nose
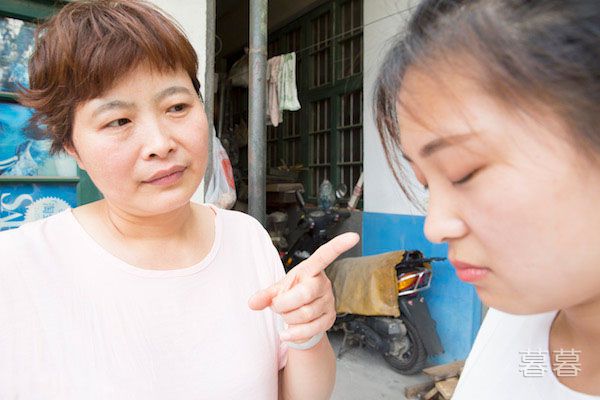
(157, 141)
(443, 223)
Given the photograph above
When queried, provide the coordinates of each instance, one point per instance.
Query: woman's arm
(304, 299)
(308, 374)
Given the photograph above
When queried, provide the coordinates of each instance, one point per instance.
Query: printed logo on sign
(13, 209)
(45, 207)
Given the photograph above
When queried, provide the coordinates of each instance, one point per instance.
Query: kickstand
(345, 345)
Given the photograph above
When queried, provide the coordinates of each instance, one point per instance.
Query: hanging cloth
(286, 88)
(273, 76)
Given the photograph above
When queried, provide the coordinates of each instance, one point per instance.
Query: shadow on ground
(363, 374)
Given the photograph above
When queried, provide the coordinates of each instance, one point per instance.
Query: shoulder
(245, 237)
(40, 234)
(495, 361)
(497, 320)
(237, 216)
(47, 227)
(504, 329)
(9, 241)
(240, 222)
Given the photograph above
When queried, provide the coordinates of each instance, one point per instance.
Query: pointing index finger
(327, 253)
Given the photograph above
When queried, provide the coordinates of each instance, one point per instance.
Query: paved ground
(363, 374)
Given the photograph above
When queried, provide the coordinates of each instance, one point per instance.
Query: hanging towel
(287, 91)
(273, 80)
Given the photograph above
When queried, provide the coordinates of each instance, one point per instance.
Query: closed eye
(467, 178)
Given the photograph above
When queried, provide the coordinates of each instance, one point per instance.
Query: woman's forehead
(447, 108)
(445, 105)
(437, 117)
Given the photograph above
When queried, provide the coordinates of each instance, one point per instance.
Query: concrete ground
(363, 374)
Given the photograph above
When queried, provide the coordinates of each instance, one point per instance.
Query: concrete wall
(390, 221)
(191, 15)
(383, 20)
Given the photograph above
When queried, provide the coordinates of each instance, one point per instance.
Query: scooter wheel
(412, 360)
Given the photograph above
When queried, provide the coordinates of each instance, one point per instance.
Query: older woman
(143, 294)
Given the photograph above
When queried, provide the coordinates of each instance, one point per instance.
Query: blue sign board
(26, 202)
(20, 153)
(16, 46)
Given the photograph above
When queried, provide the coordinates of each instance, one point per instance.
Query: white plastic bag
(221, 187)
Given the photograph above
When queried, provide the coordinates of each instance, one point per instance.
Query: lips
(165, 173)
(468, 272)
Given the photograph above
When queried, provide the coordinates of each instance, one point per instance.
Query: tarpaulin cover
(366, 285)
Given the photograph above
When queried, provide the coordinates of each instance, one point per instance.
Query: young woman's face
(144, 141)
(507, 193)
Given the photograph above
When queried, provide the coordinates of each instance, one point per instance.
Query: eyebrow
(116, 104)
(169, 92)
(112, 105)
(440, 144)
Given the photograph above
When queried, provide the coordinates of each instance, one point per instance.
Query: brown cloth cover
(366, 285)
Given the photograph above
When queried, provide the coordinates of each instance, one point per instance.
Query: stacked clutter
(442, 383)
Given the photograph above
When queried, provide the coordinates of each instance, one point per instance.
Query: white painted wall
(383, 20)
(191, 15)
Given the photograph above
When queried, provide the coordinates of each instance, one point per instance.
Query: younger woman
(495, 104)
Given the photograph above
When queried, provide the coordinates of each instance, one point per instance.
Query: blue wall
(454, 305)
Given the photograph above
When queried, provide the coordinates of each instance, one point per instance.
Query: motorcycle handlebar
(344, 213)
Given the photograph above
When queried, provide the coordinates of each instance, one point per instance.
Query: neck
(129, 226)
(582, 321)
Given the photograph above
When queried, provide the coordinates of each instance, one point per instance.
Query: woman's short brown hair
(87, 46)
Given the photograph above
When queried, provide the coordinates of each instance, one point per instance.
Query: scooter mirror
(341, 191)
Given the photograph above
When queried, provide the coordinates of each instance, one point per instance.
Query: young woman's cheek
(502, 211)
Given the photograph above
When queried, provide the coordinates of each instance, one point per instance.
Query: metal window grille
(326, 135)
(322, 31)
(350, 39)
(350, 135)
(320, 142)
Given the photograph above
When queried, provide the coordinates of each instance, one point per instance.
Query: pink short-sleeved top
(76, 322)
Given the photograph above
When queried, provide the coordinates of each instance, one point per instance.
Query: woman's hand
(304, 298)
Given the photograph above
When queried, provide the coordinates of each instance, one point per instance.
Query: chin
(165, 203)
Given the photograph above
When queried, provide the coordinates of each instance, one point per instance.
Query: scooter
(404, 341)
(405, 336)
(315, 225)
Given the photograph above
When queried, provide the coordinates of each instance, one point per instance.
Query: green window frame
(326, 134)
(34, 11)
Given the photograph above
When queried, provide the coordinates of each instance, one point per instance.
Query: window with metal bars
(325, 136)
(350, 40)
(350, 138)
(320, 141)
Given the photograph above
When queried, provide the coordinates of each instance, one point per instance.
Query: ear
(70, 150)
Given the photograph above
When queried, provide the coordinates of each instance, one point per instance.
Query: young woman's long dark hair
(543, 53)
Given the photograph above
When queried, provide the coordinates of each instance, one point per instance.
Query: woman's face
(144, 141)
(507, 193)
